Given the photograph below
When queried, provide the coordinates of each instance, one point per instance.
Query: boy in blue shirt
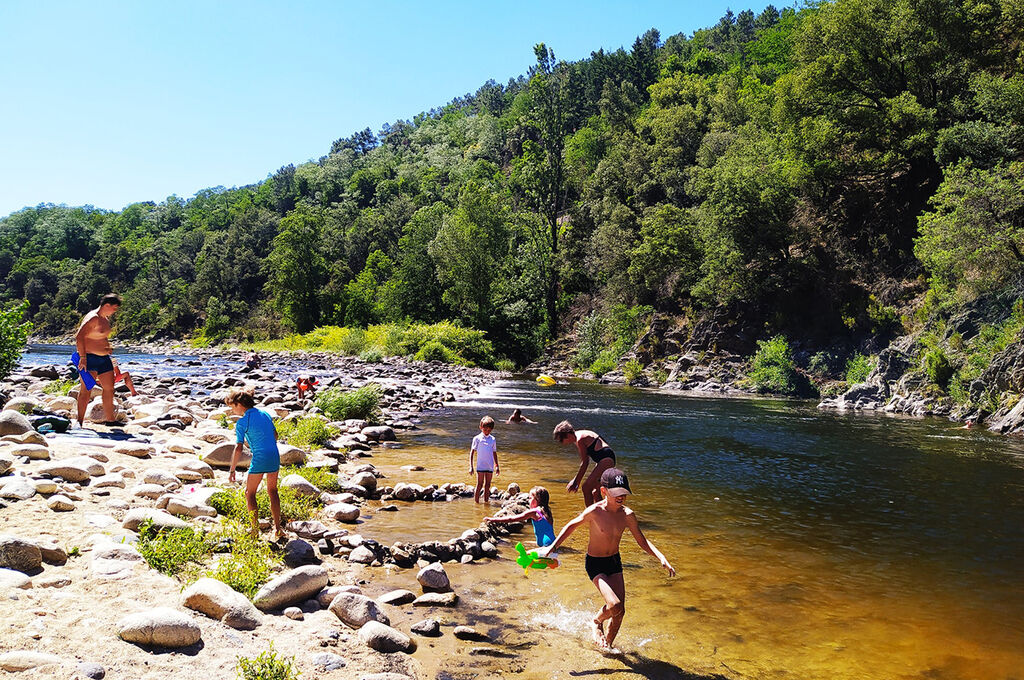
(257, 428)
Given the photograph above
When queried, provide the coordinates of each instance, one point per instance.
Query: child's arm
(566, 532)
(645, 545)
(521, 517)
(235, 455)
(497, 469)
(472, 453)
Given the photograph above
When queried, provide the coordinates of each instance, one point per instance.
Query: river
(808, 544)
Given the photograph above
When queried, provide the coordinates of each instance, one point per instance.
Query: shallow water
(807, 544)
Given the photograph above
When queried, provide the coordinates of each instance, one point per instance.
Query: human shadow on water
(646, 667)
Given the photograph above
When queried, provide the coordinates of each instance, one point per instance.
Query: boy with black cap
(608, 518)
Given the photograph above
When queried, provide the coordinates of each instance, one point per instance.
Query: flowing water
(807, 544)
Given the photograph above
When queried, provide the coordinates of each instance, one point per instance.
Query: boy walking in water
(607, 519)
(486, 451)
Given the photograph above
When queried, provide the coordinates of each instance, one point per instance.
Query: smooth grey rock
(433, 578)
(470, 633)
(293, 587)
(17, 488)
(60, 503)
(219, 456)
(378, 433)
(307, 529)
(326, 596)
(160, 627)
(298, 552)
(219, 601)
(427, 628)
(150, 491)
(12, 422)
(45, 486)
(135, 449)
(294, 613)
(30, 451)
(328, 662)
(342, 512)
(291, 455)
(161, 520)
(93, 671)
(10, 578)
(72, 472)
(24, 660)
(367, 480)
(6, 462)
(299, 485)
(361, 555)
(162, 477)
(19, 553)
(384, 638)
(436, 600)
(179, 505)
(354, 610)
(397, 597)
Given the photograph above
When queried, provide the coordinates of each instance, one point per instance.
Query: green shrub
(13, 335)
(310, 432)
(60, 387)
(372, 356)
(171, 552)
(505, 365)
(821, 363)
(938, 368)
(604, 363)
(628, 323)
(435, 351)
(632, 369)
(321, 478)
(858, 368)
(659, 376)
(250, 562)
(294, 506)
(772, 369)
(834, 388)
(362, 403)
(267, 666)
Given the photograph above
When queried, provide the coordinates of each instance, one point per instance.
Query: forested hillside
(815, 172)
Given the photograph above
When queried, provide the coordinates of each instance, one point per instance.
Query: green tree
(296, 269)
(14, 332)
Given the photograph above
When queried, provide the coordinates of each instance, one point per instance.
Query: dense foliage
(13, 333)
(800, 170)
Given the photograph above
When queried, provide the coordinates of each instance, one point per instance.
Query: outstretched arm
(521, 517)
(566, 532)
(645, 545)
(584, 461)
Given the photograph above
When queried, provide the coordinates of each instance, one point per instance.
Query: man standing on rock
(92, 342)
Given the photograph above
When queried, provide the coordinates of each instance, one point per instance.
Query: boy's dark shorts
(603, 565)
(100, 363)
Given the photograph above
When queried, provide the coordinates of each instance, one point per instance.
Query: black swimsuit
(600, 454)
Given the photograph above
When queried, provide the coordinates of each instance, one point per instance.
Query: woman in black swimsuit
(591, 447)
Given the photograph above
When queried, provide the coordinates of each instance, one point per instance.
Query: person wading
(92, 342)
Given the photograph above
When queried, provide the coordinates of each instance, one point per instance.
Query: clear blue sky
(108, 103)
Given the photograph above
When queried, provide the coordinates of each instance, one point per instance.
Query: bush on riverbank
(13, 334)
(306, 432)
(444, 341)
(362, 403)
(773, 369)
(267, 666)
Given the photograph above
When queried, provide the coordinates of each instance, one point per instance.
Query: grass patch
(321, 478)
(306, 432)
(267, 666)
(858, 368)
(362, 403)
(294, 506)
(250, 563)
(59, 387)
(175, 551)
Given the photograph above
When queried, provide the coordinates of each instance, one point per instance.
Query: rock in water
(19, 554)
(427, 628)
(293, 587)
(160, 627)
(397, 597)
(354, 610)
(433, 578)
(219, 601)
(385, 638)
(342, 512)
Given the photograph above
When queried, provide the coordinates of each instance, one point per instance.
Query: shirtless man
(92, 342)
(607, 519)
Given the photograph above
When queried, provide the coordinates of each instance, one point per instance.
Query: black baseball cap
(615, 481)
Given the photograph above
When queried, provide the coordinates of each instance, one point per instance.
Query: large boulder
(23, 405)
(354, 610)
(291, 455)
(180, 505)
(299, 485)
(220, 601)
(293, 587)
(367, 480)
(378, 433)
(161, 520)
(385, 639)
(408, 492)
(342, 512)
(19, 553)
(219, 456)
(69, 471)
(159, 627)
(434, 579)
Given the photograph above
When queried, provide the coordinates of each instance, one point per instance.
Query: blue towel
(86, 376)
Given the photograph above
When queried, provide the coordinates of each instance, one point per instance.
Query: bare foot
(597, 631)
(611, 651)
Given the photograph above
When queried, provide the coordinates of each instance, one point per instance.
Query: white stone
(160, 627)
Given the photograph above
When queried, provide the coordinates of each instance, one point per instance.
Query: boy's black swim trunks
(603, 565)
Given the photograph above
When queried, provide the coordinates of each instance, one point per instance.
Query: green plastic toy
(530, 560)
